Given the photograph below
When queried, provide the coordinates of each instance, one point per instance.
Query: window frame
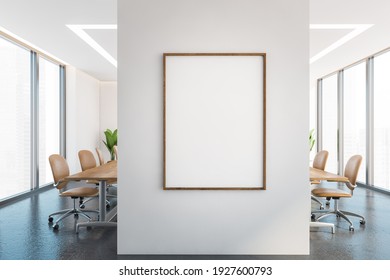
(369, 117)
(34, 112)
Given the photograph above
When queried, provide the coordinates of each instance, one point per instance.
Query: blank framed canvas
(214, 121)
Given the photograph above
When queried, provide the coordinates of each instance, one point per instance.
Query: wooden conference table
(317, 175)
(321, 175)
(102, 173)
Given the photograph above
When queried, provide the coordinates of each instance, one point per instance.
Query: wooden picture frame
(214, 121)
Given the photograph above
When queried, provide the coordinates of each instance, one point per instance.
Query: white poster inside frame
(214, 121)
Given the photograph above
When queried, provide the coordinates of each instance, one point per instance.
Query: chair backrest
(59, 168)
(100, 156)
(87, 160)
(320, 159)
(116, 152)
(352, 169)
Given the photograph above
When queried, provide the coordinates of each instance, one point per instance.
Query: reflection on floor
(26, 235)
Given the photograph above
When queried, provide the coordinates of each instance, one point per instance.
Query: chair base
(318, 201)
(338, 213)
(68, 212)
(108, 203)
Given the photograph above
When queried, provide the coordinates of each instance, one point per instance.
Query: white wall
(108, 112)
(154, 221)
(82, 115)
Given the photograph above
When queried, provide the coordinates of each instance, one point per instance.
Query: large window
(329, 121)
(355, 115)
(29, 117)
(15, 119)
(49, 117)
(361, 93)
(381, 166)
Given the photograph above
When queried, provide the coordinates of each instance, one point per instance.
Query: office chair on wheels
(60, 170)
(87, 161)
(116, 152)
(319, 162)
(100, 156)
(351, 171)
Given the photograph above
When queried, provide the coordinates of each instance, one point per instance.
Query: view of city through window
(16, 118)
(355, 116)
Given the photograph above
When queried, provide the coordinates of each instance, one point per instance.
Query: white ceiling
(323, 38)
(371, 41)
(43, 23)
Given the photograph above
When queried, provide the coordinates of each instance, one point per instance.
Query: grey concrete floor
(25, 233)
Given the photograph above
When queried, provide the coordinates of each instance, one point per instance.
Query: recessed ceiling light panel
(79, 30)
(356, 30)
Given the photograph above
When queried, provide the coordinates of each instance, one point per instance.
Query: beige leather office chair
(100, 156)
(60, 170)
(88, 161)
(319, 162)
(116, 152)
(351, 171)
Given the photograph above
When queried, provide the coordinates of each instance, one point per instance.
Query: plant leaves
(311, 139)
(111, 140)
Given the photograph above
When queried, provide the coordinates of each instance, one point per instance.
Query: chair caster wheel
(82, 206)
(321, 207)
(362, 222)
(351, 228)
(108, 206)
(76, 215)
(55, 227)
(50, 219)
(313, 217)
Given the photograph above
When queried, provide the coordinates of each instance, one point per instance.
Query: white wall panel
(157, 221)
(108, 112)
(82, 115)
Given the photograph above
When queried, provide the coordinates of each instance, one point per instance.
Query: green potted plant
(111, 141)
